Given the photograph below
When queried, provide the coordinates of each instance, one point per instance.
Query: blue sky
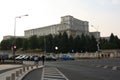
(103, 14)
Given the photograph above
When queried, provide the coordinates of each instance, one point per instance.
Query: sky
(104, 15)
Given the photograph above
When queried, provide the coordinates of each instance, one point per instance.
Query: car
(50, 58)
(13, 57)
(67, 57)
(26, 57)
(32, 58)
(4, 56)
(20, 57)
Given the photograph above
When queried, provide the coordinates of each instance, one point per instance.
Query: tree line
(65, 43)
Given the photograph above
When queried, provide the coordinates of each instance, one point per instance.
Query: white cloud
(104, 2)
(115, 1)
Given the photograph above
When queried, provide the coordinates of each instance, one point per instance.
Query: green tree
(19, 43)
(41, 42)
(33, 42)
(25, 44)
(64, 43)
(6, 44)
(71, 46)
(93, 44)
(49, 43)
(77, 44)
(113, 42)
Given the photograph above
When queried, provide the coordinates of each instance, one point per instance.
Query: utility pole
(14, 42)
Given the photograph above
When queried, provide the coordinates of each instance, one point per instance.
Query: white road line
(51, 73)
(42, 77)
(106, 66)
(114, 68)
(62, 74)
(98, 65)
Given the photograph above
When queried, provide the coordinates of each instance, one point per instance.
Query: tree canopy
(65, 43)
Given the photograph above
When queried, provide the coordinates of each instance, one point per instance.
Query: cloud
(104, 2)
(115, 1)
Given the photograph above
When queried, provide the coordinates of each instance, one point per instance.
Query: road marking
(109, 67)
(106, 66)
(114, 68)
(51, 73)
(98, 65)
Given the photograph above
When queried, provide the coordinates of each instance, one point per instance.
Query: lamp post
(14, 43)
(15, 22)
(56, 48)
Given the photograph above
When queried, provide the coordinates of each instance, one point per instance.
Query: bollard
(36, 66)
(17, 73)
(27, 67)
(8, 78)
(23, 69)
(20, 71)
(31, 67)
(13, 76)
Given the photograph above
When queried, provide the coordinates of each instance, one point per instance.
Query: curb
(19, 73)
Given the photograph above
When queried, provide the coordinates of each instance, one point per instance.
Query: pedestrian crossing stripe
(52, 73)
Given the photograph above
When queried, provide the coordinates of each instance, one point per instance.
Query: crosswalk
(116, 68)
(52, 73)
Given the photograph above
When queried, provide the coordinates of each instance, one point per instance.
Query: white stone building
(69, 24)
(9, 37)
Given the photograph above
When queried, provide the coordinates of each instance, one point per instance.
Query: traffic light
(14, 47)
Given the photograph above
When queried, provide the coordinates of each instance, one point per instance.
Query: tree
(77, 44)
(113, 42)
(93, 44)
(49, 43)
(83, 43)
(71, 46)
(64, 43)
(19, 43)
(6, 44)
(25, 44)
(41, 42)
(33, 42)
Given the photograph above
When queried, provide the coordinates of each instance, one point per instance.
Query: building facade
(9, 37)
(69, 24)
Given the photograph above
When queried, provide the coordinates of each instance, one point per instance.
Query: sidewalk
(13, 71)
(8, 66)
(7, 73)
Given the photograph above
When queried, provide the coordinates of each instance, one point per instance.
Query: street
(84, 69)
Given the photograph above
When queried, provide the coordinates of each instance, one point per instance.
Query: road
(88, 69)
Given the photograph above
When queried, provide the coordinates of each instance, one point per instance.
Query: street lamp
(56, 48)
(14, 46)
(15, 22)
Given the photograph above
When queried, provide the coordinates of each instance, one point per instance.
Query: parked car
(12, 57)
(50, 58)
(32, 58)
(20, 57)
(67, 57)
(26, 57)
(4, 56)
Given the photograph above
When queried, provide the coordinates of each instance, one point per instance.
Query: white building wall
(68, 24)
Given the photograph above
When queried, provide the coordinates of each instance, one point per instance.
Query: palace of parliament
(72, 26)
(68, 24)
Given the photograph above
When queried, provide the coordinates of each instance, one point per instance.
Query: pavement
(8, 66)
(6, 71)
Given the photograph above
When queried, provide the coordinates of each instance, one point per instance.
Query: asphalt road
(34, 75)
(83, 69)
